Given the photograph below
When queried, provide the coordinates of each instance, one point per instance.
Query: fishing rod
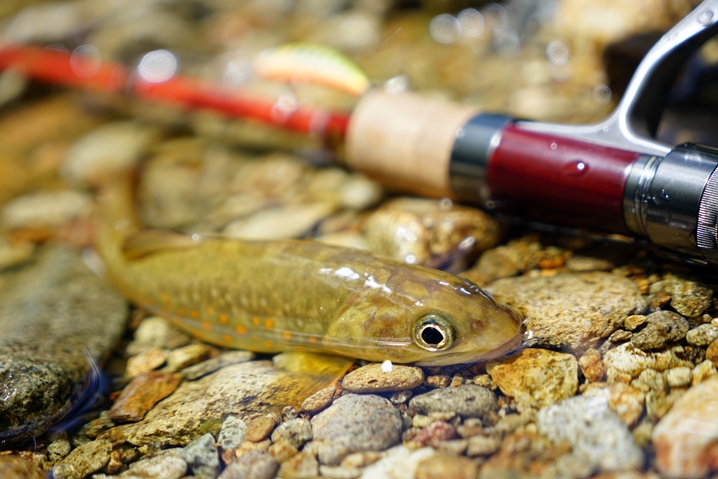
(612, 176)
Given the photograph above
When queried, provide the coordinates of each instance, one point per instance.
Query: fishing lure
(312, 63)
(293, 295)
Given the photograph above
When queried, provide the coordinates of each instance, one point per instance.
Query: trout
(295, 295)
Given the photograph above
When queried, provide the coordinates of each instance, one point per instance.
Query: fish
(312, 63)
(303, 296)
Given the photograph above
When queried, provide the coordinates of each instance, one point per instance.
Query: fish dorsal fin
(144, 243)
(311, 372)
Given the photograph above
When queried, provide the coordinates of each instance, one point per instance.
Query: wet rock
(662, 327)
(626, 362)
(156, 332)
(232, 434)
(687, 297)
(624, 400)
(372, 378)
(227, 358)
(246, 390)
(355, 423)
(438, 381)
(114, 465)
(109, 148)
(620, 336)
(201, 457)
(580, 264)
(59, 448)
(596, 433)
(282, 450)
(13, 467)
(252, 465)
(339, 472)
(296, 431)
(142, 394)
(573, 310)
(48, 209)
(591, 365)
(398, 463)
(684, 439)
(145, 362)
(467, 400)
(186, 356)
(703, 371)
(319, 400)
(260, 428)
(536, 377)
(434, 434)
(15, 253)
(303, 465)
(712, 352)
(482, 445)
(441, 466)
(290, 221)
(166, 465)
(429, 232)
(633, 321)
(56, 320)
(86, 459)
(702, 335)
(678, 377)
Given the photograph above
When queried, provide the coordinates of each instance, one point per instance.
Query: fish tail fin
(310, 372)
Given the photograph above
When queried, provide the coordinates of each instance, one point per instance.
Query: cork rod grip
(405, 140)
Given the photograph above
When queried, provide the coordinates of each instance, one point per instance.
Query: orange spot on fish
(194, 314)
(227, 338)
(206, 325)
(287, 335)
(240, 329)
(269, 323)
(255, 338)
(267, 344)
(312, 339)
(223, 318)
(210, 310)
(181, 312)
(299, 348)
(165, 297)
(255, 321)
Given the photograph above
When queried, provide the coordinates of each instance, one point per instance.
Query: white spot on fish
(325, 271)
(387, 366)
(371, 283)
(346, 273)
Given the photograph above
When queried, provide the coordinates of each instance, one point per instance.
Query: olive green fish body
(272, 296)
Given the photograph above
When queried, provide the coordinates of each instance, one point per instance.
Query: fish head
(429, 318)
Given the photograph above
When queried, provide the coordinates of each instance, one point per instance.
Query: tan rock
(372, 378)
(319, 400)
(591, 365)
(13, 467)
(624, 400)
(684, 440)
(626, 361)
(187, 356)
(142, 394)
(260, 428)
(145, 362)
(536, 377)
(442, 466)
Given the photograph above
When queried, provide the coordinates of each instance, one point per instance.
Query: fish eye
(434, 333)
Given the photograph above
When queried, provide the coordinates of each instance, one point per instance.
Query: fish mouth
(470, 357)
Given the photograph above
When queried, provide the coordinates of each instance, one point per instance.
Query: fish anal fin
(311, 372)
(144, 243)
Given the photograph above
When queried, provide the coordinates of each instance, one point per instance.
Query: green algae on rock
(56, 320)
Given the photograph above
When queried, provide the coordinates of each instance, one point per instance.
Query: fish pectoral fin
(312, 371)
(144, 243)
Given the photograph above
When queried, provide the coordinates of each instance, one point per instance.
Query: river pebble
(626, 362)
(573, 310)
(84, 460)
(434, 434)
(702, 335)
(372, 379)
(689, 298)
(13, 467)
(56, 319)
(536, 377)
(232, 434)
(48, 209)
(482, 445)
(252, 465)
(592, 367)
(201, 457)
(662, 327)
(290, 221)
(260, 428)
(442, 466)
(703, 371)
(319, 400)
(156, 332)
(467, 400)
(166, 465)
(678, 377)
(226, 358)
(355, 423)
(684, 439)
(282, 449)
(296, 431)
(145, 362)
(142, 394)
(303, 465)
(398, 463)
(187, 356)
(623, 399)
(596, 433)
(59, 448)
